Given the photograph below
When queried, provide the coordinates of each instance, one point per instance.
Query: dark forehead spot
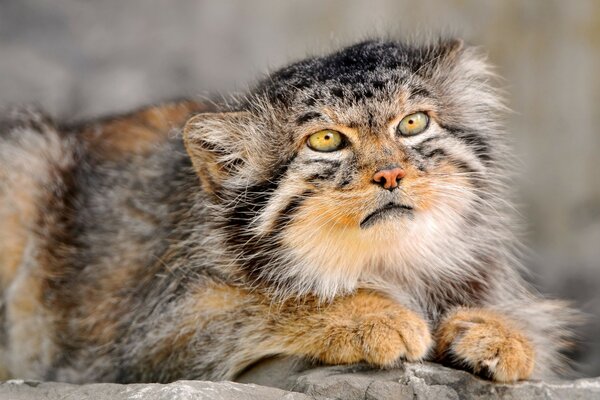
(282, 95)
(309, 116)
(301, 83)
(371, 119)
(378, 85)
(392, 64)
(419, 91)
(337, 92)
(358, 94)
(346, 79)
(362, 93)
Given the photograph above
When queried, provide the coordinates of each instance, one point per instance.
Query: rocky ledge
(294, 380)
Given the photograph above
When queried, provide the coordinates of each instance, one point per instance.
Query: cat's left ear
(216, 144)
(443, 56)
(451, 48)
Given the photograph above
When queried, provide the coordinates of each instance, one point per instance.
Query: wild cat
(349, 208)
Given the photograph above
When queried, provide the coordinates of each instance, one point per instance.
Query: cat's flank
(350, 208)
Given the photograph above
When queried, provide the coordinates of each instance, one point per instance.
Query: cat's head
(382, 158)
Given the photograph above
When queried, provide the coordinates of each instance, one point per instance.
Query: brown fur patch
(17, 214)
(486, 341)
(362, 327)
(13, 238)
(218, 297)
(22, 182)
(138, 132)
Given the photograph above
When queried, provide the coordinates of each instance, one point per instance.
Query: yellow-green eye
(326, 140)
(413, 124)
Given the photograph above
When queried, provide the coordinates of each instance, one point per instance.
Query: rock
(181, 390)
(409, 381)
(293, 379)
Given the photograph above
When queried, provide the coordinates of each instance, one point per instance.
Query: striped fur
(138, 249)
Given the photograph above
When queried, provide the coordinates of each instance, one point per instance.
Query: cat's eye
(326, 140)
(413, 124)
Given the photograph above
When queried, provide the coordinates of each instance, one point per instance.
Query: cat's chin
(388, 212)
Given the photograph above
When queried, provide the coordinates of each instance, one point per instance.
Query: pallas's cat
(348, 208)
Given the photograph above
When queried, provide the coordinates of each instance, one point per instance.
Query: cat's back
(86, 210)
(96, 180)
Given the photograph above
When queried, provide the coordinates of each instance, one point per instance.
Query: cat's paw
(388, 337)
(487, 343)
(377, 331)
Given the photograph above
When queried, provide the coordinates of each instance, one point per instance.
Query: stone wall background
(79, 59)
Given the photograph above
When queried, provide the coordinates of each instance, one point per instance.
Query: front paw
(388, 337)
(373, 329)
(486, 343)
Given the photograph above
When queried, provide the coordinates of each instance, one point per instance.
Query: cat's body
(130, 252)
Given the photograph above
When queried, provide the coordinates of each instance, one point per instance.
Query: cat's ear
(451, 48)
(216, 145)
(445, 54)
(451, 60)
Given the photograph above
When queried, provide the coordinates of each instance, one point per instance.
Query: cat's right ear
(216, 145)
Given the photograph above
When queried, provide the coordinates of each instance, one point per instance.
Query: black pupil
(327, 137)
(410, 121)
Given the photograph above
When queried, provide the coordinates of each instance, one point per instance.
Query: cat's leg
(486, 342)
(365, 326)
(243, 327)
(220, 330)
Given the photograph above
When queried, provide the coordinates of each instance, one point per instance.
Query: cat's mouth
(389, 210)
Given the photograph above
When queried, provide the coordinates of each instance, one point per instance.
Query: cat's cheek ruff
(329, 259)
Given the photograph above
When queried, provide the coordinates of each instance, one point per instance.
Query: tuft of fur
(190, 240)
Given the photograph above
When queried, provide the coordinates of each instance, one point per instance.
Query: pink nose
(389, 178)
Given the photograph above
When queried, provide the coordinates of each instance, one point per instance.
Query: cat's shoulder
(136, 132)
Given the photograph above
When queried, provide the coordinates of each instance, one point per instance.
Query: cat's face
(377, 158)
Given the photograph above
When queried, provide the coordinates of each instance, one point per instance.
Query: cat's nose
(389, 178)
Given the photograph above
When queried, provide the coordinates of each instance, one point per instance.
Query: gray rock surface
(409, 381)
(295, 380)
(181, 390)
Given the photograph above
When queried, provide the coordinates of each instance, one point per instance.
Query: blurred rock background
(78, 59)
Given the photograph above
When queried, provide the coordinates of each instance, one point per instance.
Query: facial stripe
(437, 149)
(323, 175)
(418, 91)
(462, 165)
(345, 181)
(307, 117)
(478, 143)
(333, 163)
(421, 146)
(435, 153)
(251, 200)
(475, 141)
(291, 208)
